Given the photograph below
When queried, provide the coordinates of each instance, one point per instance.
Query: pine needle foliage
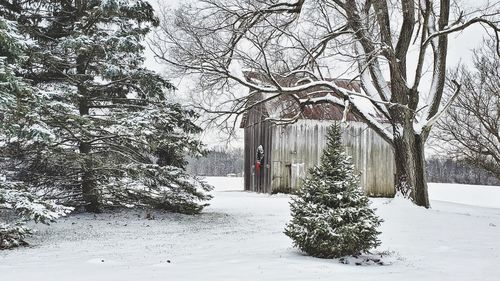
(19, 205)
(331, 216)
(91, 126)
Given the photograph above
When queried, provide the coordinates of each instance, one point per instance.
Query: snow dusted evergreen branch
(20, 127)
(12, 236)
(150, 185)
(24, 206)
(100, 110)
(28, 206)
(331, 217)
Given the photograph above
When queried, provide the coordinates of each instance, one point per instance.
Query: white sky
(459, 51)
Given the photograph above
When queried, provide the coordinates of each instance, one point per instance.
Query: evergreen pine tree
(331, 217)
(113, 136)
(19, 121)
(18, 205)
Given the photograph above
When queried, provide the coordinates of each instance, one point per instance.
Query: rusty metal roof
(284, 106)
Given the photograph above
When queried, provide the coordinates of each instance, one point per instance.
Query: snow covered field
(239, 237)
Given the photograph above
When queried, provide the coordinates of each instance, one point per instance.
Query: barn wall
(298, 147)
(257, 132)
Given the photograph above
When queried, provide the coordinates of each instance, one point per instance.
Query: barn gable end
(291, 150)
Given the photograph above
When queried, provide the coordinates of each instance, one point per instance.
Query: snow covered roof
(285, 106)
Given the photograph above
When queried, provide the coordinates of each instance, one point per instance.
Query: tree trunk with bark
(89, 192)
(410, 168)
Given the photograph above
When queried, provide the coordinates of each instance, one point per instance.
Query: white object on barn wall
(298, 173)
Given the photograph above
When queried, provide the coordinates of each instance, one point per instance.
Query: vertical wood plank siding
(303, 142)
(257, 132)
(371, 155)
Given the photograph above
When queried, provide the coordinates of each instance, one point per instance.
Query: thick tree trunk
(89, 191)
(410, 168)
(421, 197)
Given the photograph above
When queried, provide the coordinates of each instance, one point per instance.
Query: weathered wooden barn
(277, 157)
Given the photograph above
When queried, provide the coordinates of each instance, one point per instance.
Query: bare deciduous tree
(471, 127)
(217, 39)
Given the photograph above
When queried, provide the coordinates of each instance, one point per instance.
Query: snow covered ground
(239, 237)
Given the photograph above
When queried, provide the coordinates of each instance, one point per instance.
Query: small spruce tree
(331, 217)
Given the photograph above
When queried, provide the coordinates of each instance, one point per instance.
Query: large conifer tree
(19, 119)
(331, 217)
(115, 139)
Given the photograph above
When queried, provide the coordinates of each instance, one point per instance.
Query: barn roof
(284, 106)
